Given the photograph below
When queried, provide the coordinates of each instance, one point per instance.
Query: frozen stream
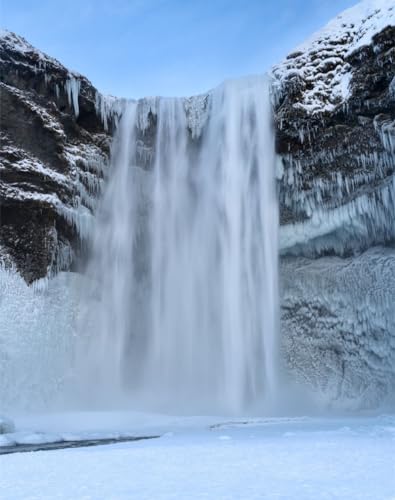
(208, 457)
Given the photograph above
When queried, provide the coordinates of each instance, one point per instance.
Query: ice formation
(83, 184)
(72, 83)
(338, 327)
(72, 192)
(108, 108)
(366, 219)
(36, 339)
(72, 86)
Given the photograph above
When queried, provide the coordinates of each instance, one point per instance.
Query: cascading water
(184, 268)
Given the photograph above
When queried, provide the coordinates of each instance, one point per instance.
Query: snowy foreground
(206, 457)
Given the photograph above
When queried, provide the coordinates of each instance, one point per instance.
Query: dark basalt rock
(334, 148)
(47, 152)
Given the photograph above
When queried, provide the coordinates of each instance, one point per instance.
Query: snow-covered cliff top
(17, 44)
(321, 60)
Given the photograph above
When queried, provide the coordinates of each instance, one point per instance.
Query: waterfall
(182, 310)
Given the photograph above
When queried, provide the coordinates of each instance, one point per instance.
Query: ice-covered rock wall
(338, 320)
(37, 339)
(53, 153)
(335, 118)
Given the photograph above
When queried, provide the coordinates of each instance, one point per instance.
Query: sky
(136, 48)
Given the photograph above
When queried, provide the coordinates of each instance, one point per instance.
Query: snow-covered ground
(210, 458)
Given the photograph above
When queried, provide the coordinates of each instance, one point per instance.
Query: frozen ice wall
(36, 340)
(338, 327)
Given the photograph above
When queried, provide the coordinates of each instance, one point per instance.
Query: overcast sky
(135, 48)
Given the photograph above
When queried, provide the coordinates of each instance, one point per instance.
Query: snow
(24, 163)
(49, 121)
(71, 186)
(41, 63)
(17, 43)
(360, 23)
(321, 61)
(78, 215)
(212, 458)
(87, 155)
(82, 184)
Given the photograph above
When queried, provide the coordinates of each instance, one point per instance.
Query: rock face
(54, 146)
(335, 118)
(335, 137)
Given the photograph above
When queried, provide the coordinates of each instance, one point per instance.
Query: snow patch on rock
(17, 43)
(321, 61)
(48, 120)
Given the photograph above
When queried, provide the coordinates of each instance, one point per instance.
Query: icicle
(108, 108)
(72, 86)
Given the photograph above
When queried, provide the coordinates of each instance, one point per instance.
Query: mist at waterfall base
(181, 313)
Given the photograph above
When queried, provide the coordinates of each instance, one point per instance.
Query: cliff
(335, 120)
(334, 111)
(54, 146)
(335, 129)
